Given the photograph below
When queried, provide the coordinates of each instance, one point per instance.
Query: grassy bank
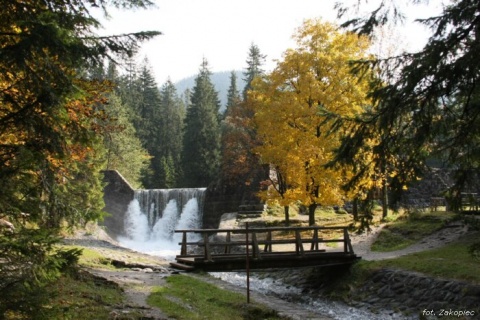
(75, 295)
(405, 230)
(188, 298)
(452, 261)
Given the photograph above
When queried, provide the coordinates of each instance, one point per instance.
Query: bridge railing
(258, 237)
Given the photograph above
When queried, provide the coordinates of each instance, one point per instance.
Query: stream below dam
(271, 286)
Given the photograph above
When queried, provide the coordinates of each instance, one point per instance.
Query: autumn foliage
(292, 105)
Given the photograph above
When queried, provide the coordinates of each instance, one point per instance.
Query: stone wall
(222, 199)
(434, 184)
(117, 195)
(413, 293)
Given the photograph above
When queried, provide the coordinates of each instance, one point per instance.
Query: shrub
(28, 262)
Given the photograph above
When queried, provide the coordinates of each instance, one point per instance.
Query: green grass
(75, 295)
(82, 296)
(452, 261)
(408, 230)
(187, 298)
(92, 259)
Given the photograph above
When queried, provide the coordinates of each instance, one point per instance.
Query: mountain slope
(221, 81)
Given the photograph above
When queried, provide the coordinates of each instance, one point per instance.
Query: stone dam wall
(117, 195)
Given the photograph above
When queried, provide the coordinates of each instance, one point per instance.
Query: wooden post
(183, 250)
(255, 248)
(349, 243)
(345, 240)
(268, 246)
(314, 245)
(298, 243)
(207, 253)
(247, 262)
(227, 244)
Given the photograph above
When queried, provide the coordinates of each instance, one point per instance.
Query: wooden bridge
(262, 248)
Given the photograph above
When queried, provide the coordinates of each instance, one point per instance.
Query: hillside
(221, 81)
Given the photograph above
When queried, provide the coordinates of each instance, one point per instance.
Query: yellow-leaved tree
(292, 104)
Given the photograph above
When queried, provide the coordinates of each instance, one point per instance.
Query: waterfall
(154, 214)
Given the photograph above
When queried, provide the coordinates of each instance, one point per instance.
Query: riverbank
(435, 273)
(141, 273)
(386, 292)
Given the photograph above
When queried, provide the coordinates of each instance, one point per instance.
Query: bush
(28, 262)
(474, 250)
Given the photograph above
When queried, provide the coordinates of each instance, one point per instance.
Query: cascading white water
(154, 214)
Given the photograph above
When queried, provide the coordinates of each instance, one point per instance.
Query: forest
(333, 122)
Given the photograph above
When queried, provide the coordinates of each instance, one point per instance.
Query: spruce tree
(169, 125)
(255, 61)
(124, 149)
(241, 171)
(138, 90)
(147, 106)
(233, 95)
(201, 142)
(427, 102)
(51, 150)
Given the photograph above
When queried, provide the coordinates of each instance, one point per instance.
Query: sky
(219, 30)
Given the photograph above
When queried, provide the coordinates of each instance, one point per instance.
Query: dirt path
(362, 243)
(138, 276)
(137, 286)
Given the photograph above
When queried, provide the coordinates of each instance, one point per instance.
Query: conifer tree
(124, 149)
(51, 149)
(169, 128)
(201, 141)
(255, 61)
(428, 102)
(236, 138)
(138, 90)
(147, 106)
(50, 114)
(233, 95)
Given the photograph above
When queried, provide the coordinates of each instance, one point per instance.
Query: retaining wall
(417, 294)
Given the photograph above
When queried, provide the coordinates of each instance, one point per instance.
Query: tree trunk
(286, 209)
(355, 209)
(384, 199)
(311, 214)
